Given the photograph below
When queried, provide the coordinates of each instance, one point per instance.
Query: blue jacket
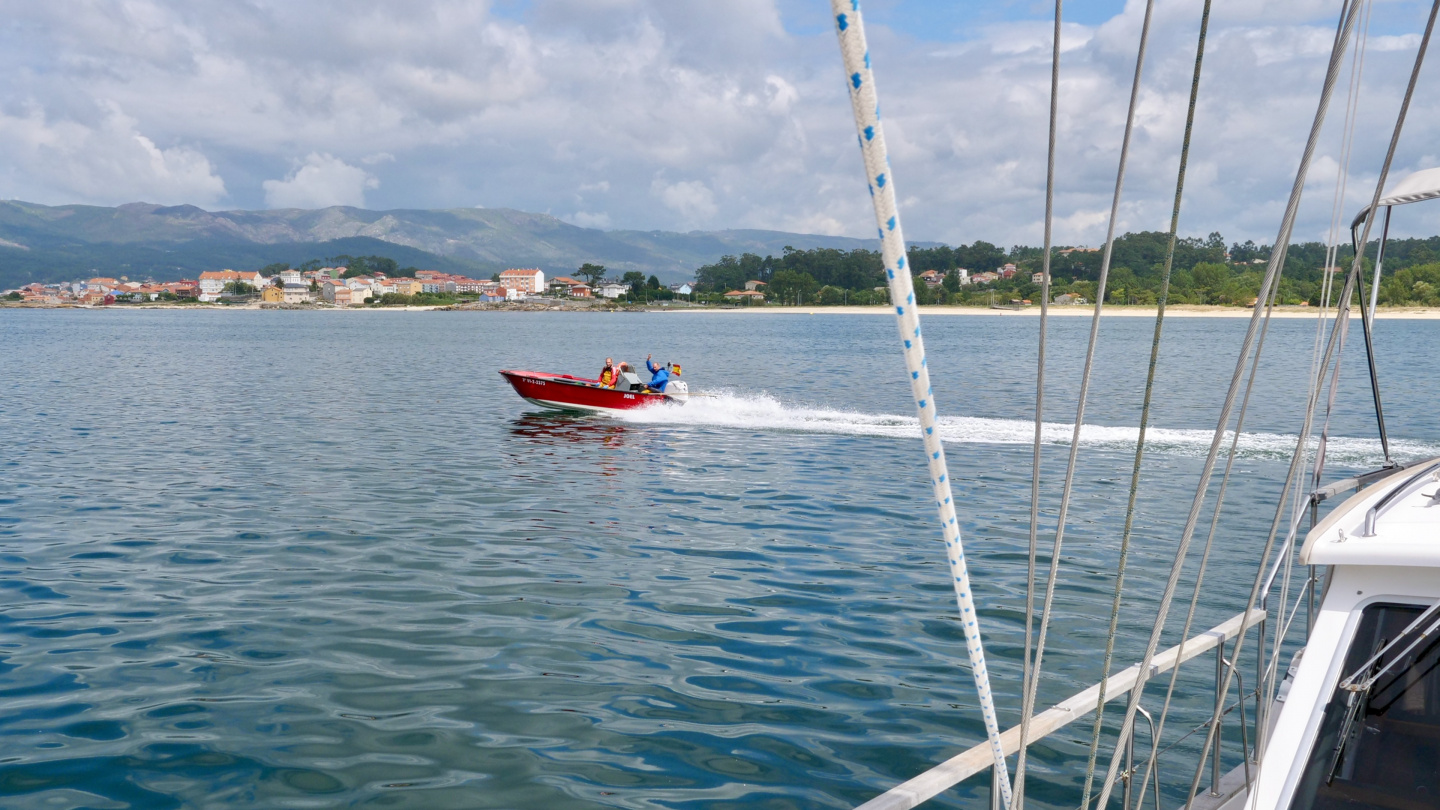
(659, 376)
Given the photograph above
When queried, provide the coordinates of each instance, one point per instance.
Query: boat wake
(764, 413)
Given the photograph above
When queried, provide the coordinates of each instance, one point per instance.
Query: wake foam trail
(762, 412)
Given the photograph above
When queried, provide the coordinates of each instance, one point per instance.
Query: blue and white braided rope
(902, 292)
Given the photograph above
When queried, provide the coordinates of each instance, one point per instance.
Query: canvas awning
(1418, 187)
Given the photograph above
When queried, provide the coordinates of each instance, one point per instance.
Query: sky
(701, 115)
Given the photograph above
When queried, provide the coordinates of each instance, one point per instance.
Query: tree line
(355, 266)
(1204, 271)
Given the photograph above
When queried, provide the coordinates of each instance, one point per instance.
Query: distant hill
(55, 243)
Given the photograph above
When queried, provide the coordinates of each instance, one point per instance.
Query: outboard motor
(629, 381)
(677, 391)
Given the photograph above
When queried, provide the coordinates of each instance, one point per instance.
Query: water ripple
(264, 584)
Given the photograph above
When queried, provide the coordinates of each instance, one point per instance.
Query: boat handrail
(977, 759)
(1358, 482)
(1395, 495)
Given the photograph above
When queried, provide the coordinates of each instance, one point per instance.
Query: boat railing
(1128, 776)
(1355, 483)
(1268, 655)
(1221, 663)
(979, 758)
(1420, 479)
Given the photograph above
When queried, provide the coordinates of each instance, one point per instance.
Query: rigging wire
(1225, 478)
(1341, 322)
(1145, 414)
(1214, 526)
(1357, 70)
(1366, 323)
(1379, 262)
(1355, 280)
(871, 136)
(1019, 792)
(1267, 283)
(1367, 327)
(1292, 477)
(1265, 673)
(1032, 686)
(1347, 142)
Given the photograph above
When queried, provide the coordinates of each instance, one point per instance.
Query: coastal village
(325, 286)
(817, 277)
(334, 287)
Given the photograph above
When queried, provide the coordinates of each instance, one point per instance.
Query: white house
(612, 289)
(212, 282)
(360, 290)
(291, 276)
(529, 281)
(297, 293)
(495, 294)
(681, 289)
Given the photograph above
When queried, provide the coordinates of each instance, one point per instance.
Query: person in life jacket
(660, 375)
(608, 375)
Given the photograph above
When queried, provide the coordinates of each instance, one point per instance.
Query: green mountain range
(141, 240)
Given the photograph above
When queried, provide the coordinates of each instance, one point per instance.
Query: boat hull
(563, 392)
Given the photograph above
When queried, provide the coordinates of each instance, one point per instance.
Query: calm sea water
(312, 559)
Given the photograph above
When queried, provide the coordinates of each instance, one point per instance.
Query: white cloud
(738, 109)
(108, 160)
(782, 94)
(322, 180)
(813, 223)
(691, 199)
(586, 219)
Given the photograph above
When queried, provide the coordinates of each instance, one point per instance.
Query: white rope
(865, 102)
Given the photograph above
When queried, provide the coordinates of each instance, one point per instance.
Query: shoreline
(1111, 310)
(1116, 310)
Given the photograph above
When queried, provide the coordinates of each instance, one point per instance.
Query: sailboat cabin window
(1379, 741)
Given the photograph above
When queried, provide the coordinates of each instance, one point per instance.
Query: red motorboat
(566, 393)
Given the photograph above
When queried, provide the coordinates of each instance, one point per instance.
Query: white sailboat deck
(1404, 530)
